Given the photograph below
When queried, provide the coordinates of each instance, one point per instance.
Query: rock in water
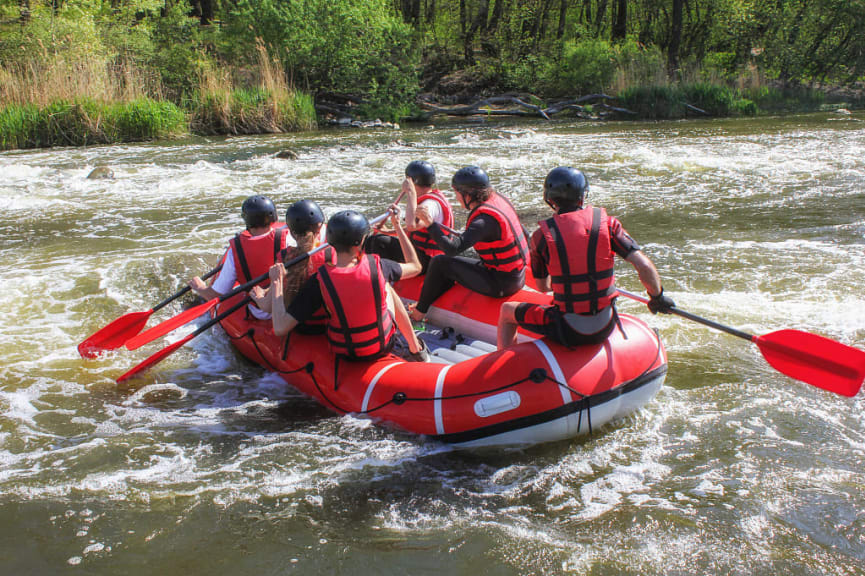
(287, 155)
(101, 173)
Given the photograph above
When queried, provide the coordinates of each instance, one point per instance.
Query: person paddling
(356, 291)
(573, 254)
(424, 205)
(250, 254)
(493, 229)
(305, 221)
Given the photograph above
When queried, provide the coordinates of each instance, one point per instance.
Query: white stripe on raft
(554, 366)
(440, 384)
(372, 384)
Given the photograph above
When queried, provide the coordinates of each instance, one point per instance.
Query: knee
(507, 312)
(437, 263)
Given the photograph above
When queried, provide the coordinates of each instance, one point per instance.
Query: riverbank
(84, 121)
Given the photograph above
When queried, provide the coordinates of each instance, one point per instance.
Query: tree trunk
(207, 12)
(563, 14)
(410, 11)
(498, 9)
(620, 25)
(430, 11)
(675, 39)
(600, 15)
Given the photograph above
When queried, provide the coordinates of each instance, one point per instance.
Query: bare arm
(422, 218)
(403, 322)
(199, 287)
(411, 267)
(261, 297)
(647, 271)
(543, 284)
(410, 204)
(283, 322)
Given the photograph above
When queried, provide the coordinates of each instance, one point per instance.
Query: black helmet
(258, 211)
(565, 187)
(346, 229)
(470, 178)
(421, 172)
(302, 216)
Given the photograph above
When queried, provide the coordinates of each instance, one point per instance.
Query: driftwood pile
(341, 108)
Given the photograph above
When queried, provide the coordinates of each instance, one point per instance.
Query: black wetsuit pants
(444, 271)
(388, 246)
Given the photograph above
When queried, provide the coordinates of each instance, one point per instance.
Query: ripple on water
(732, 469)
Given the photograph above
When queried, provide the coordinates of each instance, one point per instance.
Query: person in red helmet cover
(363, 308)
(493, 229)
(424, 205)
(250, 254)
(572, 254)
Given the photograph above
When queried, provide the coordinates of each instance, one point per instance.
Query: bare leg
(403, 322)
(506, 334)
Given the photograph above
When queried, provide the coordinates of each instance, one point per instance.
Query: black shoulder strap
(523, 255)
(337, 304)
(562, 252)
(377, 299)
(592, 260)
(244, 265)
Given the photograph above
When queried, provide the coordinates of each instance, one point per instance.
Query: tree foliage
(381, 53)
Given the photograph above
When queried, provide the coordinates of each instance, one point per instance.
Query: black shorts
(551, 322)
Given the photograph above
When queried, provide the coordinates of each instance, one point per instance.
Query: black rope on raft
(308, 367)
(537, 375)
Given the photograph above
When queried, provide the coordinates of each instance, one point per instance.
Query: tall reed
(270, 106)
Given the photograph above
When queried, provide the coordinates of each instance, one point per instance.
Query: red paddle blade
(114, 335)
(171, 324)
(816, 360)
(155, 358)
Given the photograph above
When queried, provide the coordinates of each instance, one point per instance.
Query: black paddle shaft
(222, 316)
(694, 317)
(183, 290)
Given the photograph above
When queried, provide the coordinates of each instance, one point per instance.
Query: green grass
(672, 101)
(86, 122)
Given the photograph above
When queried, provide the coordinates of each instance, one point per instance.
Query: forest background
(95, 71)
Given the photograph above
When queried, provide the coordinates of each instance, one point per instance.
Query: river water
(209, 465)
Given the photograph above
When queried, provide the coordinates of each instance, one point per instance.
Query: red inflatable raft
(471, 394)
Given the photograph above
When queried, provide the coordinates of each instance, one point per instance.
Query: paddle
(193, 313)
(165, 352)
(115, 334)
(813, 359)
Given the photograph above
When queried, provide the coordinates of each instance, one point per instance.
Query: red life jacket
(421, 238)
(581, 260)
(254, 255)
(316, 261)
(356, 300)
(511, 251)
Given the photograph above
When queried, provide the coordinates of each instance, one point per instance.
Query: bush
(251, 111)
(654, 102)
(357, 47)
(638, 65)
(586, 66)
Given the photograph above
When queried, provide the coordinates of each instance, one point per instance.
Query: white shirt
(228, 277)
(434, 209)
